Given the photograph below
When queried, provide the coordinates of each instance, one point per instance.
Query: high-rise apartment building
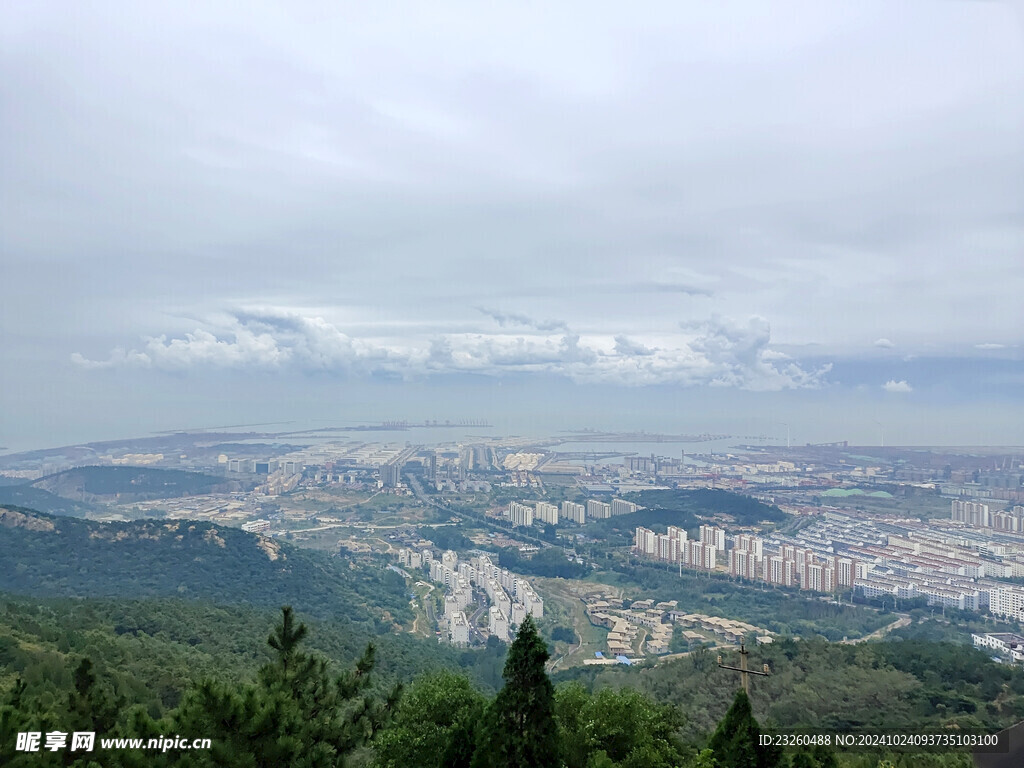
(811, 577)
(712, 536)
(391, 474)
(780, 570)
(973, 513)
(497, 623)
(668, 548)
(1009, 520)
(1007, 601)
(818, 577)
(645, 541)
(846, 571)
(622, 507)
(577, 513)
(750, 543)
(519, 514)
(547, 513)
(677, 533)
(743, 563)
(700, 556)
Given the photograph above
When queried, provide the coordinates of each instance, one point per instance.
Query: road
(684, 654)
(474, 626)
(878, 634)
(428, 606)
(552, 665)
(417, 489)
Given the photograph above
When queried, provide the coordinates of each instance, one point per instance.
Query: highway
(515, 533)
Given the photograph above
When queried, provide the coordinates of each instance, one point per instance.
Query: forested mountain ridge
(51, 556)
(908, 686)
(26, 495)
(683, 508)
(132, 483)
(295, 710)
(158, 637)
(151, 651)
(78, 491)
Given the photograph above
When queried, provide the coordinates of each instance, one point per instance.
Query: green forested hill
(708, 502)
(906, 685)
(158, 607)
(132, 483)
(26, 495)
(152, 650)
(157, 658)
(52, 556)
(685, 509)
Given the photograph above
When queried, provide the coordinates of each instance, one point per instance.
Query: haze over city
(744, 219)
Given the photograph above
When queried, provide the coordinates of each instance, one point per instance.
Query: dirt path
(878, 634)
(682, 655)
(416, 618)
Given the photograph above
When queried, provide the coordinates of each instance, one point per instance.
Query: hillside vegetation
(27, 495)
(819, 686)
(159, 627)
(784, 611)
(684, 509)
(708, 502)
(68, 557)
(276, 703)
(151, 651)
(132, 483)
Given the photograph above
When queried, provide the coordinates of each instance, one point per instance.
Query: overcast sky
(755, 210)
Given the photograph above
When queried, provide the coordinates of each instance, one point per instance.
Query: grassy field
(562, 602)
(422, 624)
(924, 505)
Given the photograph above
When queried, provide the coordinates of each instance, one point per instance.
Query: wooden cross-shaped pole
(742, 668)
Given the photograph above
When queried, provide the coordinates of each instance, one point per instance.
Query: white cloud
(118, 358)
(505, 319)
(718, 352)
(629, 348)
(884, 344)
(899, 387)
(685, 289)
(990, 346)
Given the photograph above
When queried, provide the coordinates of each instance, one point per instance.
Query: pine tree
(519, 729)
(735, 742)
(91, 707)
(298, 714)
(286, 637)
(814, 757)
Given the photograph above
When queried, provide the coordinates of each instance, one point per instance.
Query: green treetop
(735, 742)
(519, 728)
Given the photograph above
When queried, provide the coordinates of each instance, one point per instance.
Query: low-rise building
(1007, 644)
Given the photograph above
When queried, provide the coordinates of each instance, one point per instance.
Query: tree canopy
(519, 727)
(735, 743)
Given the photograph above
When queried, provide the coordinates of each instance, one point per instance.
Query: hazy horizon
(525, 406)
(681, 218)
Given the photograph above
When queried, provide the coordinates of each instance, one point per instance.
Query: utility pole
(742, 668)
